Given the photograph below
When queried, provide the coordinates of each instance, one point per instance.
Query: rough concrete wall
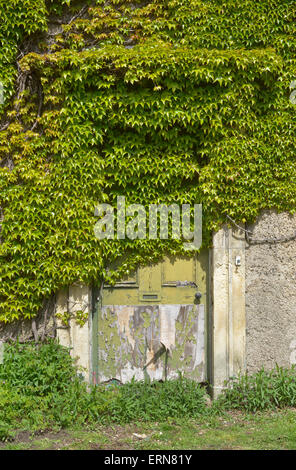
(271, 293)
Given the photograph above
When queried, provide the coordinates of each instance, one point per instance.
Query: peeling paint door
(153, 323)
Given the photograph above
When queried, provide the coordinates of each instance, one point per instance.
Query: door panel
(152, 325)
(174, 270)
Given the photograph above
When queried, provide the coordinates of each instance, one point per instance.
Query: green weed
(261, 391)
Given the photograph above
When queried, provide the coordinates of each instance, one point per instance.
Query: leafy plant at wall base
(263, 390)
(158, 401)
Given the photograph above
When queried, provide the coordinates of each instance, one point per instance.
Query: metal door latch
(198, 295)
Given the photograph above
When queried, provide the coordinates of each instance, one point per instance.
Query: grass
(269, 430)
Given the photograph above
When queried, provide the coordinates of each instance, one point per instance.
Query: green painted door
(153, 323)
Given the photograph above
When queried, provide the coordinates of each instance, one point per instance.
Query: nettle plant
(172, 101)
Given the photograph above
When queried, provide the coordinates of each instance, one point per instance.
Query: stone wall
(271, 293)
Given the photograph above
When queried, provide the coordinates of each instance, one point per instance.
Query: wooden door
(153, 323)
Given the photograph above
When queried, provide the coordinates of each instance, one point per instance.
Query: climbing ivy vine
(164, 101)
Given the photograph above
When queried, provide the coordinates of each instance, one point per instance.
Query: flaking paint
(155, 341)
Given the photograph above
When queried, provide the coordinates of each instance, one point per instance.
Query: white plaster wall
(76, 337)
(227, 309)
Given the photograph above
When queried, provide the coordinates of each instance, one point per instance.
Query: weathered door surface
(153, 323)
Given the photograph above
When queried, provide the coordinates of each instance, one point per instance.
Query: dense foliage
(40, 389)
(183, 101)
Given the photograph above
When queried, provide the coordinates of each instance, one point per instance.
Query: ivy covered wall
(183, 101)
